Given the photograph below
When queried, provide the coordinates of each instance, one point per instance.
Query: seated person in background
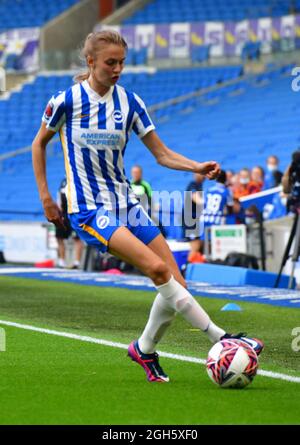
(141, 188)
(194, 201)
(257, 180)
(237, 216)
(143, 192)
(230, 179)
(241, 187)
(278, 207)
(273, 174)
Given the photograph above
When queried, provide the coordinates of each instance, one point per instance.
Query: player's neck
(97, 87)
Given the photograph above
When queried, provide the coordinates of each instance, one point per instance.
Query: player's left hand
(210, 170)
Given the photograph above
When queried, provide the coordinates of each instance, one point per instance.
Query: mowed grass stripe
(46, 379)
(120, 315)
(269, 374)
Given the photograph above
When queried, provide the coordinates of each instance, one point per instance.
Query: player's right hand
(53, 213)
(210, 169)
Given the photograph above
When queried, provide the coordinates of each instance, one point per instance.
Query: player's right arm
(53, 118)
(39, 145)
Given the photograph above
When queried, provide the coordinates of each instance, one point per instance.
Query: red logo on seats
(49, 110)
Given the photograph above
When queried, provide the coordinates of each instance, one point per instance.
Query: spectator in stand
(273, 174)
(241, 187)
(249, 183)
(237, 214)
(143, 192)
(278, 207)
(230, 178)
(257, 180)
(194, 202)
(141, 188)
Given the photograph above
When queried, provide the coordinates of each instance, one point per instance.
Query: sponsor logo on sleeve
(49, 111)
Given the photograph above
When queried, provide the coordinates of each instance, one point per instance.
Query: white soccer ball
(231, 363)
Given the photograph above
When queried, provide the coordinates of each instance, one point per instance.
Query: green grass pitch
(46, 379)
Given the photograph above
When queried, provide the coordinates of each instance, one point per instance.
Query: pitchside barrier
(234, 276)
(27, 242)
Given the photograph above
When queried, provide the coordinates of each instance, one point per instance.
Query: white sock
(182, 301)
(61, 262)
(214, 333)
(161, 316)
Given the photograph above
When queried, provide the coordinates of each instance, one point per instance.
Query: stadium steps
(14, 81)
(124, 12)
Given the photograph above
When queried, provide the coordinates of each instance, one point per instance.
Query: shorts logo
(118, 116)
(102, 221)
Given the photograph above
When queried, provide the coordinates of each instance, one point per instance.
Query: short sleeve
(55, 113)
(142, 123)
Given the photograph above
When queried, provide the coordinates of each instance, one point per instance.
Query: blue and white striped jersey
(94, 131)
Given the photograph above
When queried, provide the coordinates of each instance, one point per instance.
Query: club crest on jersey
(102, 221)
(118, 117)
(49, 110)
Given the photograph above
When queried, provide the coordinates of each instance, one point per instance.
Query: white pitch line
(99, 341)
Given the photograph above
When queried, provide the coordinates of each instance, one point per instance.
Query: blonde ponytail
(80, 77)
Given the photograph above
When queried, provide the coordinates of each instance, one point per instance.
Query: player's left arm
(170, 159)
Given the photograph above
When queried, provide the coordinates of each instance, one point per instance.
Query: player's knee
(159, 272)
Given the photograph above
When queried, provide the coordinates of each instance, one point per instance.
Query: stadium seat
(31, 13)
(251, 51)
(200, 53)
(166, 11)
(230, 124)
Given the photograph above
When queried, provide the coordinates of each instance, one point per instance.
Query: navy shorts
(96, 227)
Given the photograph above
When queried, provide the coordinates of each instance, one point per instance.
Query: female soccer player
(94, 118)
